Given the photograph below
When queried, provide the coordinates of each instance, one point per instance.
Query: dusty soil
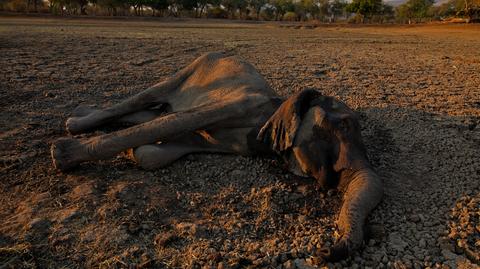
(417, 90)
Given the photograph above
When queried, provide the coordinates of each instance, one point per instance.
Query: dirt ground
(417, 90)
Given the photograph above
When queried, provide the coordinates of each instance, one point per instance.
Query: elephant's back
(216, 78)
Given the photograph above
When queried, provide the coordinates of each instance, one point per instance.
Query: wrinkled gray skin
(222, 104)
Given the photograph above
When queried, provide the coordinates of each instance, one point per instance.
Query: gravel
(415, 89)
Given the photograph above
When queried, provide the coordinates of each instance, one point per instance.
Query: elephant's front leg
(68, 153)
(361, 195)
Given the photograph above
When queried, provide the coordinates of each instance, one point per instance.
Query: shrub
(14, 5)
(290, 16)
(356, 19)
(267, 14)
(217, 13)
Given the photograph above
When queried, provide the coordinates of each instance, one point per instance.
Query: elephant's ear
(280, 130)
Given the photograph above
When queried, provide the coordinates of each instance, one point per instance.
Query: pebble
(448, 255)
(414, 218)
(39, 225)
(289, 264)
(396, 242)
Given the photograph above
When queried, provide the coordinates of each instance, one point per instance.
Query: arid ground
(417, 90)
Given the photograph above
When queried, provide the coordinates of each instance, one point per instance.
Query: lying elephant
(222, 104)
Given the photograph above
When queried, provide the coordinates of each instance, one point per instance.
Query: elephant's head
(320, 137)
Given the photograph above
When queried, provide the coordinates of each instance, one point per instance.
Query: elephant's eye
(321, 134)
(344, 125)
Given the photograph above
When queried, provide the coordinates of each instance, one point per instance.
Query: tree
(470, 9)
(35, 5)
(324, 9)
(415, 9)
(137, 5)
(365, 8)
(282, 7)
(83, 6)
(404, 12)
(444, 10)
(112, 6)
(388, 12)
(337, 8)
(304, 8)
(158, 5)
(257, 6)
(231, 6)
(201, 6)
(268, 12)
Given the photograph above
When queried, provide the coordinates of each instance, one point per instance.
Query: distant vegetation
(358, 11)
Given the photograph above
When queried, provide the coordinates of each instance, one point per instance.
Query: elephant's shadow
(427, 161)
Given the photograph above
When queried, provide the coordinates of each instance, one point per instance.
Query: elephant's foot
(339, 251)
(66, 154)
(76, 125)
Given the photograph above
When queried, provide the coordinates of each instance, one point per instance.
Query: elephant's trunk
(363, 190)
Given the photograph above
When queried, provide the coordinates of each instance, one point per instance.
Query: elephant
(220, 103)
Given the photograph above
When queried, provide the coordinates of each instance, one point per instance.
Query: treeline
(360, 11)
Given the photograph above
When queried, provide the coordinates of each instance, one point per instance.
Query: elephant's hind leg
(129, 119)
(67, 153)
(150, 97)
(158, 155)
(155, 156)
(159, 93)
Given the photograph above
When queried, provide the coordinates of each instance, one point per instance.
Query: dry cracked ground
(417, 90)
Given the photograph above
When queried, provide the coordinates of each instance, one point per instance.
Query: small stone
(414, 218)
(238, 173)
(191, 229)
(82, 191)
(408, 257)
(302, 218)
(302, 264)
(68, 215)
(88, 237)
(445, 244)
(289, 264)
(448, 255)
(422, 243)
(377, 257)
(39, 225)
(165, 239)
(396, 242)
(385, 259)
(49, 94)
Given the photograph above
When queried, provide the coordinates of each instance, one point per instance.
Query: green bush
(356, 19)
(21, 6)
(217, 13)
(290, 16)
(267, 14)
(14, 5)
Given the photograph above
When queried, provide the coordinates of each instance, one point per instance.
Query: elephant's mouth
(293, 165)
